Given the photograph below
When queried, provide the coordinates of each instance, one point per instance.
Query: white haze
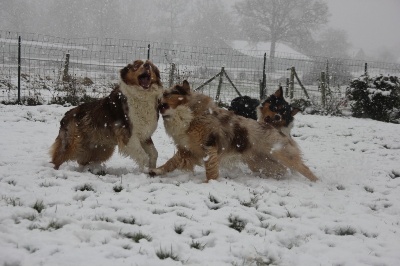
(371, 25)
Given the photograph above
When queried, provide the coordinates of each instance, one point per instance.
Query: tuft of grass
(47, 184)
(54, 225)
(162, 254)
(33, 226)
(159, 211)
(12, 201)
(179, 229)
(341, 231)
(251, 203)
(340, 187)
(85, 187)
(197, 245)
(345, 231)
(11, 182)
(394, 174)
(136, 237)
(127, 220)
(118, 188)
(38, 206)
(213, 199)
(182, 214)
(236, 223)
(369, 189)
(103, 218)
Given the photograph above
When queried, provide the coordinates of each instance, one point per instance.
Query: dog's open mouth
(145, 80)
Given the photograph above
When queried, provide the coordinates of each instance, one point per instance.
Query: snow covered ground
(67, 217)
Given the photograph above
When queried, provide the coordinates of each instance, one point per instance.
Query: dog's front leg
(151, 150)
(211, 162)
(135, 150)
(182, 159)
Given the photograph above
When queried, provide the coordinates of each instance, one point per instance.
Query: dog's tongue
(144, 81)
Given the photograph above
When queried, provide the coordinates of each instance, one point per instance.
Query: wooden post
(291, 82)
(366, 69)
(171, 75)
(65, 77)
(327, 75)
(19, 69)
(263, 91)
(287, 87)
(220, 84)
(148, 52)
(323, 84)
(301, 84)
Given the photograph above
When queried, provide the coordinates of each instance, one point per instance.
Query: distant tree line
(300, 23)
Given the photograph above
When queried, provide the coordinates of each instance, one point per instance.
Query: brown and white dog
(277, 112)
(206, 134)
(127, 117)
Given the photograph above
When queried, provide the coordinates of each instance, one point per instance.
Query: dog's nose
(162, 107)
(267, 119)
(146, 66)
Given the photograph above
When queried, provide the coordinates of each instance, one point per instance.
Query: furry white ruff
(177, 123)
(143, 114)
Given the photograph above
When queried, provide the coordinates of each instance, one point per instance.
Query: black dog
(245, 106)
(274, 111)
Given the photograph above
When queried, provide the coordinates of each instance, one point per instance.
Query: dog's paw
(154, 172)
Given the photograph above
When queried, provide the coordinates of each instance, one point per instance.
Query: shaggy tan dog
(127, 118)
(206, 134)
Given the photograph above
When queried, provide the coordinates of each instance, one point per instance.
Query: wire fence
(93, 64)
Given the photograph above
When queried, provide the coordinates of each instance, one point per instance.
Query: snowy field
(123, 217)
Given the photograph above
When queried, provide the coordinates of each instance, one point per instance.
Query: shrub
(377, 98)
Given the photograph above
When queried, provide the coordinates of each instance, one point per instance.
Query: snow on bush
(377, 98)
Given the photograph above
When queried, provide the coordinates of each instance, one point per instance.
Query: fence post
(366, 69)
(148, 51)
(19, 69)
(263, 91)
(220, 84)
(327, 75)
(323, 98)
(291, 82)
(65, 77)
(287, 87)
(171, 74)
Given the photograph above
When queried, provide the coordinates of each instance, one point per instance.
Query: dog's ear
(186, 86)
(295, 110)
(125, 71)
(279, 92)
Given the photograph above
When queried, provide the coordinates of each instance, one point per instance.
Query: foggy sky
(370, 24)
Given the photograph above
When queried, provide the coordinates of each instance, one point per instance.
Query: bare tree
(210, 24)
(171, 18)
(333, 43)
(280, 20)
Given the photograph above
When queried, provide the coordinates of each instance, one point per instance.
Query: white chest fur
(177, 124)
(143, 111)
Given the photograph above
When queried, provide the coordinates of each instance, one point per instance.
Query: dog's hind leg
(211, 163)
(151, 151)
(293, 161)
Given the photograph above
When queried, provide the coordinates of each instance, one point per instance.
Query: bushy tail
(63, 147)
(290, 157)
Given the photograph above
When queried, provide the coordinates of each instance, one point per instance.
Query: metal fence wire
(51, 67)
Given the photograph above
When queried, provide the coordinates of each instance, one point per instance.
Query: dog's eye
(277, 117)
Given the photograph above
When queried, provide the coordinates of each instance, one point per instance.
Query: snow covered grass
(122, 217)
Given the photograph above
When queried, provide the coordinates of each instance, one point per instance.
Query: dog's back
(90, 131)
